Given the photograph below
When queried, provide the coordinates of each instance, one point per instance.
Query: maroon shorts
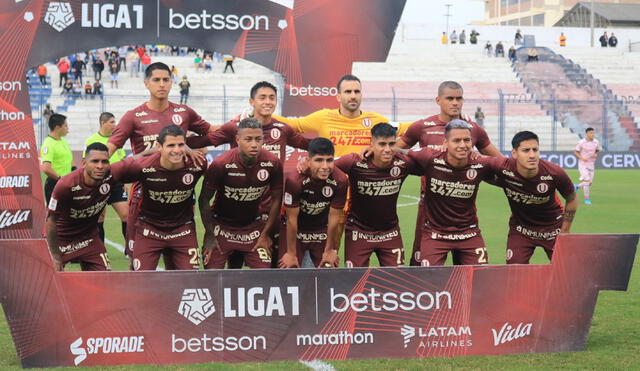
(469, 248)
(134, 211)
(91, 253)
(522, 242)
(360, 244)
(312, 241)
(179, 245)
(240, 239)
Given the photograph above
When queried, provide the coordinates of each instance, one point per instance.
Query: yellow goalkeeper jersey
(348, 135)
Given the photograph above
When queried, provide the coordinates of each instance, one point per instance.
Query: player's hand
(57, 263)
(440, 149)
(288, 261)
(247, 112)
(330, 259)
(366, 152)
(263, 242)
(208, 245)
(474, 155)
(196, 157)
(130, 258)
(302, 166)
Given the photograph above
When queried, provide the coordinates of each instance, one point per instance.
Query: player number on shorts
(482, 251)
(398, 252)
(105, 260)
(263, 254)
(193, 252)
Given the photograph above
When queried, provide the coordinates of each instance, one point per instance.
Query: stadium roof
(606, 15)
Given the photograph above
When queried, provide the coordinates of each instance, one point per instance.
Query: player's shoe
(575, 187)
(587, 201)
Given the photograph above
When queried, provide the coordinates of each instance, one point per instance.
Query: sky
(433, 11)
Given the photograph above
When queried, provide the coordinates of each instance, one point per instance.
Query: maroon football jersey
(451, 192)
(533, 201)
(142, 125)
(167, 195)
(78, 205)
(314, 197)
(429, 133)
(374, 191)
(239, 188)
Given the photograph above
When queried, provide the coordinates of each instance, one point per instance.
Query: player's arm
(570, 207)
(126, 171)
(290, 258)
(304, 124)
(330, 255)
(264, 241)
(52, 241)
(48, 170)
(491, 150)
(204, 204)
(121, 133)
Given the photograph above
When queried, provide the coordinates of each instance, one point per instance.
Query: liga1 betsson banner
(109, 318)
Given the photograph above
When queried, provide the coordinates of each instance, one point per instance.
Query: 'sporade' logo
(59, 15)
(196, 305)
(106, 345)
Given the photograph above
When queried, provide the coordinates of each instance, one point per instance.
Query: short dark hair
(448, 84)
(321, 146)
(105, 116)
(249, 123)
(456, 124)
(170, 130)
(383, 130)
(156, 66)
(261, 84)
(95, 146)
(56, 120)
(588, 130)
(347, 78)
(521, 137)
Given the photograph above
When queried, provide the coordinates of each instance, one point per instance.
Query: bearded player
(74, 208)
(375, 182)
(165, 222)
(530, 184)
(239, 178)
(314, 201)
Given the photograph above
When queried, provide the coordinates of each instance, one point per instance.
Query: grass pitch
(614, 339)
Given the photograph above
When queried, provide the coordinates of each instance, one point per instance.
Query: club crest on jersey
(395, 171)
(275, 133)
(472, 174)
(263, 175)
(542, 187)
(105, 188)
(327, 191)
(367, 123)
(187, 179)
(177, 119)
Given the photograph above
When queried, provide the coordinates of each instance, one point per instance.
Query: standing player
(452, 181)
(429, 133)
(314, 202)
(118, 199)
(530, 184)
(165, 222)
(75, 206)
(587, 153)
(55, 155)
(239, 178)
(142, 126)
(375, 182)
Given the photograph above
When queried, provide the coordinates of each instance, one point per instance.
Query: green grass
(614, 340)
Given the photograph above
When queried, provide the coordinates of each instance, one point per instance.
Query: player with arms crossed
(75, 206)
(165, 223)
(429, 133)
(314, 201)
(239, 178)
(452, 181)
(372, 222)
(530, 184)
(587, 152)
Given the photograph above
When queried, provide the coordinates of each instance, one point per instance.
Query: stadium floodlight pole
(448, 15)
(592, 21)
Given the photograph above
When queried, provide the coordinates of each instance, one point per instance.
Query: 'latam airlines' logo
(407, 333)
(59, 15)
(196, 305)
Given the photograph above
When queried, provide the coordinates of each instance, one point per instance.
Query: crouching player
(530, 184)
(314, 201)
(238, 178)
(165, 223)
(375, 182)
(74, 208)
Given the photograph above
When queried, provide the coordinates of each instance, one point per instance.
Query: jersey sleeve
(564, 185)
(579, 146)
(276, 177)
(305, 124)
(60, 198)
(345, 163)
(340, 198)
(481, 137)
(292, 191)
(411, 135)
(402, 127)
(47, 152)
(213, 175)
(123, 130)
(421, 158)
(412, 166)
(197, 124)
(296, 140)
(126, 171)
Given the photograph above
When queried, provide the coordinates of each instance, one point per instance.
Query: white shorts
(586, 172)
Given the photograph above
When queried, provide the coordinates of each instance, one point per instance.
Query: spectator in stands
(184, 89)
(140, 50)
(462, 37)
(208, 63)
(473, 37)
(532, 55)
(97, 88)
(479, 117)
(48, 111)
(114, 69)
(63, 68)
(613, 40)
(122, 58)
(563, 40)
(145, 61)
(197, 62)
(604, 40)
(174, 73)
(67, 89)
(228, 58)
(42, 74)
(77, 89)
(88, 90)
(453, 37)
(499, 49)
(77, 66)
(488, 48)
(98, 67)
(512, 53)
(517, 39)
(444, 38)
(134, 63)
(218, 57)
